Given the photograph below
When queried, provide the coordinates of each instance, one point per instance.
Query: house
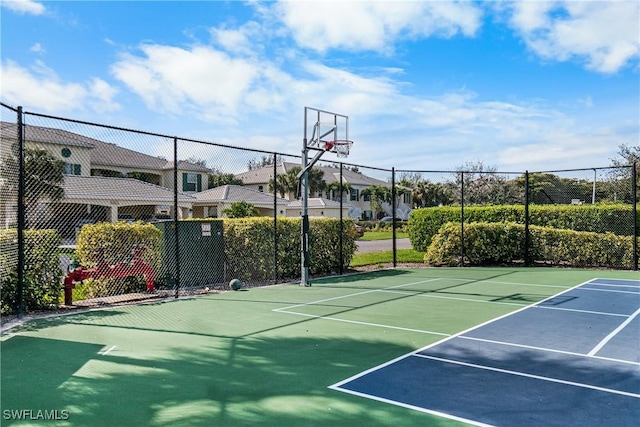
(213, 202)
(359, 206)
(105, 180)
(102, 179)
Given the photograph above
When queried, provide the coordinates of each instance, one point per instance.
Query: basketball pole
(314, 142)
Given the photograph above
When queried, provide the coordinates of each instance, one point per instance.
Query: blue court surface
(570, 360)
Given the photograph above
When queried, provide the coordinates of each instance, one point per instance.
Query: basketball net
(340, 147)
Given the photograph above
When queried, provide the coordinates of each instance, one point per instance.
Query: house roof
(127, 189)
(102, 153)
(46, 135)
(265, 174)
(317, 202)
(235, 193)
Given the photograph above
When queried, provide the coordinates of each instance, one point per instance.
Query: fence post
(275, 218)
(340, 252)
(393, 215)
(527, 237)
(634, 209)
(462, 252)
(21, 215)
(176, 243)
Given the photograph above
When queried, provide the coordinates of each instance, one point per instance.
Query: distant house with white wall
(359, 206)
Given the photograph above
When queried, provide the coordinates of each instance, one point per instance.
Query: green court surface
(261, 356)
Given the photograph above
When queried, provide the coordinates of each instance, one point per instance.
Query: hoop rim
(339, 146)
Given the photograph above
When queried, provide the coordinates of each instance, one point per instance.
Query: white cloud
(170, 78)
(374, 25)
(602, 34)
(24, 6)
(37, 48)
(41, 89)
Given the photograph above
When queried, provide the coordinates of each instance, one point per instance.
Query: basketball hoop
(341, 147)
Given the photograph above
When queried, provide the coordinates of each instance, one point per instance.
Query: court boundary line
(613, 333)
(338, 385)
(393, 289)
(550, 350)
(526, 375)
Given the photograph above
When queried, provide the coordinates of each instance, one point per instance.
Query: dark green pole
(21, 216)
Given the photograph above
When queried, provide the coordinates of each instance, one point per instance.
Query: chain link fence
(111, 215)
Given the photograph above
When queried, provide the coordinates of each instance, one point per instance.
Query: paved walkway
(382, 245)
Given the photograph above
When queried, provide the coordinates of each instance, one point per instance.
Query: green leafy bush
(496, 243)
(424, 223)
(42, 278)
(249, 247)
(116, 242)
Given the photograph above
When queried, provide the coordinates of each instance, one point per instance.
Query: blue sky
(428, 85)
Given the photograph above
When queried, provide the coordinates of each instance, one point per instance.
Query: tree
(334, 187)
(218, 179)
(241, 209)
(264, 161)
(620, 178)
(288, 184)
(377, 194)
(44, 177)
(427, 194)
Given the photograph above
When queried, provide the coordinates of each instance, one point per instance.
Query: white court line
(546, 307)
(390, 362)
(355, 294)
(610, 290)
(415, 408)
(428, 295)
(377, 325)
(614, 333)
(538, 377)
(610, 285)
(106, 351)
(550, 350)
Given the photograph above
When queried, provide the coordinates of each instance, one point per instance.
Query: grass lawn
(382, 235)
(402, 256)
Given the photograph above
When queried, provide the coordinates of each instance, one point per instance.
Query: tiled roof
(46, 135)
(102, 153)
(236, 193)
(126, 189)
(316, 202)
(265, 174)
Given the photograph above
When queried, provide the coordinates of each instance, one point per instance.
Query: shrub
(492, 243)
(116, 242)
(424, 223)
(250, 253)
(42, 278)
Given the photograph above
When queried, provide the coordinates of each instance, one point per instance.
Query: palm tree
(44, 177)
(334, 187)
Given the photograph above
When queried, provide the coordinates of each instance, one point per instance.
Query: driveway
(381, 245)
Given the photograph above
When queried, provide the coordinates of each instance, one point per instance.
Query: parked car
(126, 217)
(389, 219)
(155, 217)
(84, 221)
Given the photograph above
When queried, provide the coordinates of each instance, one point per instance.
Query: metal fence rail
(61, 177)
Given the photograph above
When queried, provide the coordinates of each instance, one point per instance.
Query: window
(72, 169)
(366, 197)
(353, 195)
(261, 188)
(191, 182)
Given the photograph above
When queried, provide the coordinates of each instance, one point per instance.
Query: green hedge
(42, 280)
(250, 254)
(498, 243)
(424, 223)
(116, 242)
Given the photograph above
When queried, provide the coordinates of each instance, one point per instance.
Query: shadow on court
(267, 382)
